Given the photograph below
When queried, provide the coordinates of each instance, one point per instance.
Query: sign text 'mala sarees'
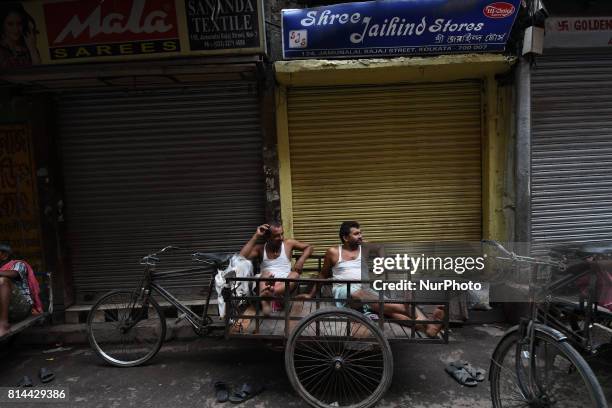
(398, 27)
(39, 32)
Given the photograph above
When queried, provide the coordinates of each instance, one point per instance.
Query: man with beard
(275, 256)
(344, 262)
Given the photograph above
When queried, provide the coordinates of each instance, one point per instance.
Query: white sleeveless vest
(347, 270)
(279, 267)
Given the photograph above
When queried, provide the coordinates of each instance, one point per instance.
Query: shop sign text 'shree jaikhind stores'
(397, 27)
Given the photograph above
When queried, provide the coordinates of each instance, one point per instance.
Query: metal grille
(403, 160)
(145, 169)
(571, 165)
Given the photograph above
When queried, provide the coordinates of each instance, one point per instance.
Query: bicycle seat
(564, 249)
(596, 249)
(217, 258)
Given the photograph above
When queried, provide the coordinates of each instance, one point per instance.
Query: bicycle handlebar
(511, 256)
(499, 246)
(207, 258)
(152, 258)
(166, 248)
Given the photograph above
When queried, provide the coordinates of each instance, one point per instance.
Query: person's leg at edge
(431, 329)
(401, 311)
(5, 299)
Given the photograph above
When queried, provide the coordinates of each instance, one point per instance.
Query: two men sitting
(342, 262)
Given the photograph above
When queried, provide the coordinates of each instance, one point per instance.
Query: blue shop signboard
(398, 27)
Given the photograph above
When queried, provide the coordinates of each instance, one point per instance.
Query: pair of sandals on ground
(44, 375)
(237, 396)
(465, 374)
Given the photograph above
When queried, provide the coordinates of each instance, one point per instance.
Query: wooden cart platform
(273, 325)
(250, 322)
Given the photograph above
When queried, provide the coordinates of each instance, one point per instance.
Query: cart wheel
(338, 358)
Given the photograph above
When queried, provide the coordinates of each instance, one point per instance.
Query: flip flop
(247, 392)
(45, 375)
(25, 382)
(477, 373)
(461, 376)
(221, 391)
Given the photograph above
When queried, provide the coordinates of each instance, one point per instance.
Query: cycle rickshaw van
(334, 356)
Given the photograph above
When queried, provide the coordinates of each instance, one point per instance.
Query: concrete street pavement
(182, 374)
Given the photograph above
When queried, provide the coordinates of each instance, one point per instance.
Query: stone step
(78, 313)
(75, 334)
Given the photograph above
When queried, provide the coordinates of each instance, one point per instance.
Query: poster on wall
(19, 33)
(19, 217)
(218, 25)
(68, 31)
(397, 27)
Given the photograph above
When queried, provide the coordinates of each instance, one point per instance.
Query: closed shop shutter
(403, 160)
(571, 158)
(146, 169)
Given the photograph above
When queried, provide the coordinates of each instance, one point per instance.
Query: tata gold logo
(498, 10)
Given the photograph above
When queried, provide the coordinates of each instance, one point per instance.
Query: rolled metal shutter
(403, 160)
(571, 158)
(146, 169)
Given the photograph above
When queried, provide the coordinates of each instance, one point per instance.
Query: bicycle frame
(149, 286)
(588, 307)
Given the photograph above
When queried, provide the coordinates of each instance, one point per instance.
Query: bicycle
(534, 364)
(126, 328)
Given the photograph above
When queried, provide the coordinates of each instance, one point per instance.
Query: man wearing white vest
(275, 256)
(344, 262)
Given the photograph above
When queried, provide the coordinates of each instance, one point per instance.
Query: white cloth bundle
(238, 267)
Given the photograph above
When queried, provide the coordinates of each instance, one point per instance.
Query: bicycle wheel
(338, 358)
(122, 331)
(561, 377)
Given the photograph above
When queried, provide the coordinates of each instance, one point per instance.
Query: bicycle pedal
(180, 317)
